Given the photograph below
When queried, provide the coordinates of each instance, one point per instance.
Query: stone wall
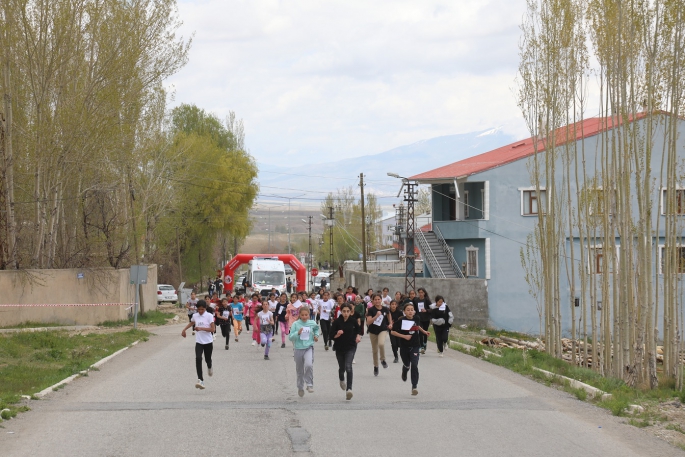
(65, 287)
(467, 298)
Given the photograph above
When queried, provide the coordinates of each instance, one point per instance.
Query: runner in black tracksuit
(440, 317)
(345, 333)
(422, 308)
(408, 330)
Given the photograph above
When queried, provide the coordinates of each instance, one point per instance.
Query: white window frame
(592, 260)
(662, 248)
(662, 201)
(487, 258)
(466, 204)
(523, 190)
(468, 264)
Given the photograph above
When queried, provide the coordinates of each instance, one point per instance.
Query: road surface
(144, 403)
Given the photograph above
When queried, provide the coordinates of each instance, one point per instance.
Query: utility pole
(178, 252)
(331, 222)
(361, 185)
(410, 270)
(310, 250)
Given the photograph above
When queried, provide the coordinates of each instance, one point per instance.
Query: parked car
(165, 292)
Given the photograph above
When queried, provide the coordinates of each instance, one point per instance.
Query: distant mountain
(406, 160)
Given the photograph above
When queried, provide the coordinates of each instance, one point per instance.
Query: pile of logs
(506, 342)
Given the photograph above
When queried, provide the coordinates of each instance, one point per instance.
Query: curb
(592, 391)
(97, 364)
(471, 348)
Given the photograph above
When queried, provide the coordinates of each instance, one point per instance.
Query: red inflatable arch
(240, 259)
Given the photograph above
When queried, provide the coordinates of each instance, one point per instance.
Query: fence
(381, 266)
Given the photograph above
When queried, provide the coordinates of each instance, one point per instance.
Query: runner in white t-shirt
(385, 298)
(204, 330)
(326, 306)
(266, 328)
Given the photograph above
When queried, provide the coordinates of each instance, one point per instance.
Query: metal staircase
(437, 255)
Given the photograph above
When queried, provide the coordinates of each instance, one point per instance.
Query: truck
(264, 274)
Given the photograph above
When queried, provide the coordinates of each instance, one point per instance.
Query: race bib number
(378, 320)
(407, 325)
(421, 306)
(306, 331)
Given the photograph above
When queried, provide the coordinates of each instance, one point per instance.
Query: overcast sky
(315, 79)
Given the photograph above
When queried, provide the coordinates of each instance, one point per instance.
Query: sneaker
(442, 354)
(226, 347)
(236, 340)
(396, 360)
(200, 384)
(375, 371)
(405, 370)
(273, 339)
(210, 371)
(266, 357)
(354, 361)
(300, 393)
(348, 395)
(343, 385)
(282, 345)
(213, 336)
(326, 347)
(423, 350)
(310, 389)
(414, 391)
(253, 342)
(193, 332)
(263, 344)
(385, 365)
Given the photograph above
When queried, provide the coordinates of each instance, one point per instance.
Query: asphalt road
(144, 403)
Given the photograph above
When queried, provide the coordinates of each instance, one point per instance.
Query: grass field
(30, 362)
(149, 318)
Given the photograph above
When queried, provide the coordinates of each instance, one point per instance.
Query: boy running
(204, 328)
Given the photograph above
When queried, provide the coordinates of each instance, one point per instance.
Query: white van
(264, 274)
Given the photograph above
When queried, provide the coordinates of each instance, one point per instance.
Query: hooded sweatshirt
(298, 342)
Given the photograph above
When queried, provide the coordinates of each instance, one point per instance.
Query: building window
(472, 261)
(596, 264)
(680, 259)
(466, 204)
(679, 202)
(532, 202)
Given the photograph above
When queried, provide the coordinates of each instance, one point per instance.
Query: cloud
(333, 79)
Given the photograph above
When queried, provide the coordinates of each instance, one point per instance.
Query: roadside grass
(31, 324)
(149, 318)
(30, 362)
(622, 395)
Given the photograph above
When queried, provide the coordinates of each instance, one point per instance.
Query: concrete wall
(467, 298)
(64, 287)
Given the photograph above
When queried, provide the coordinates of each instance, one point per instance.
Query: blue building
(485, 206)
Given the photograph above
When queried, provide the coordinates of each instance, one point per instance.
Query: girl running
(441, 318)
(237, 311)
(293, 309)
(282, 317)
(256, 330)
(346, 333)
(350, 295)
(304, 333)
(325, 308)
(422, 307)
(223, 319)
(266, 327)
(394, 316)
(407, 329)
(377, 324)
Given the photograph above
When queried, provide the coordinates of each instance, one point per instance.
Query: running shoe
(343, 385)
(213, 336)
(253, 342)
(375, 371)
(384, 364)
(282, 345)
(273, 339)
(423, 350)
(226, 347)
(263, 344)
(266, 357)
(396, 360)
(200, 384)
(310, 389)
(236, 340)
(210, 371)
(326, 347)
(405, 370)
(442, 354)
(348, 395)
(193, 332)
(414, 391)
(300, 393)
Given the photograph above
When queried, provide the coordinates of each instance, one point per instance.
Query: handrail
(430, 256)
(448, 252)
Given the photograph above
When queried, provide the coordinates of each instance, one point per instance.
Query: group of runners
(340, 319)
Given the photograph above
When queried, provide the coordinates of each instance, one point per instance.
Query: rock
(175, 319)
(463, 326)
(635, 409)
(483, 332)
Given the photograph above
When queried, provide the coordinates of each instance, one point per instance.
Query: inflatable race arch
(233, 264)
